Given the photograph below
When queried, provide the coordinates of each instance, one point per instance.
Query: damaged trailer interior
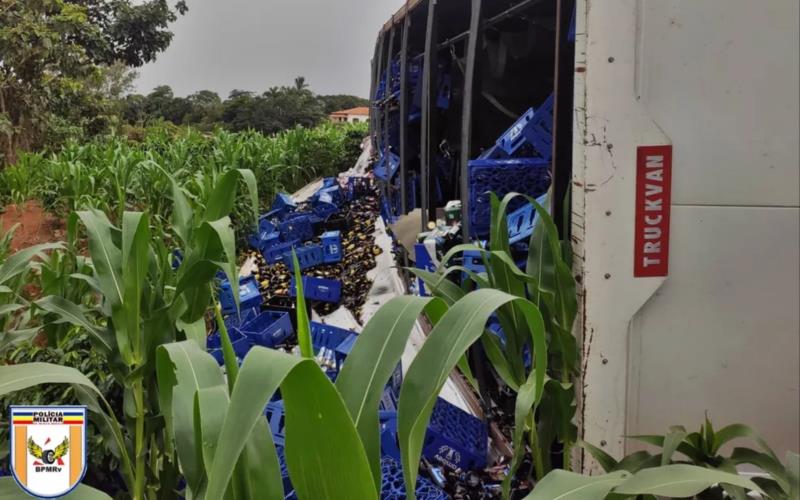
(470, 97)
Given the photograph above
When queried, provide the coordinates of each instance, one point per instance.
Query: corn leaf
(19, 262)
(135, 263)
(319, 429)
(737, 431)
(458, 329)
(73, 314)
(563, 485)
(303, 326)
(371, 362)
(10, 490)
(17, 377)
(183, 369)
(679, 481)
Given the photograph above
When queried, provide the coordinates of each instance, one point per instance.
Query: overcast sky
(223, 45)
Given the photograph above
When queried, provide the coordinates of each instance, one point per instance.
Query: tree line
(67, 69)
(278, 108)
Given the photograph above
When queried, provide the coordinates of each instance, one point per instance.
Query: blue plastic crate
(422, 260)
(331, 246)
(265, 224)
(263, 240)
(274, 254)
(393, 487)
(522, 221)
(529, 176)
(331, 194)
(387, 167)
(288, 489)
(455, 438)
(177, 258)
(388, 429)
(249, 295)
(276, 418)
(329, 336)
(283, 203)
(297, 228)
(236, 320)
(542, 126)
(324, 210)
(473, 260)
(320, 289)
(307, 256)
(268, 329)
(493, 325)
(241, 344)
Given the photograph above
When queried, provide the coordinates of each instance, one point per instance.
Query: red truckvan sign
(653, 198)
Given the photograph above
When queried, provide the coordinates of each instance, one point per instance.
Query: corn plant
(145, 303)
(332, 431)
(549, 284)
(15, 269)
(668, 481)
(702, 449)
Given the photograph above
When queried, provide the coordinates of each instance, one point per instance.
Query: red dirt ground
(35, 225)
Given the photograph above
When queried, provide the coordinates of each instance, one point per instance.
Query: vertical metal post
(379, 72)
(372, 88)
(429, 81)
(563, 98)
(404, 111)
(470, 71)
(388, 77)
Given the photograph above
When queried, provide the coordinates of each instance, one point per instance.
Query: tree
(206, 108)
(53, 51)
(331, 103)
(41, 63)
(300, 83)
(126, 30)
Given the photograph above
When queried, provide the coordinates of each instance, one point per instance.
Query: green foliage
(53, 52)
(332, 441)
(16, 270)
(126, 30)
(75, 351)
(279, 108)
(670, 481)
(545, 410)
(116, 175)
(145, 302)
(273, 111)
(10, 490)
(331, 103)
(703, 449)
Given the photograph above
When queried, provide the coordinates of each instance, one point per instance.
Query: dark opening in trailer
(453, 83)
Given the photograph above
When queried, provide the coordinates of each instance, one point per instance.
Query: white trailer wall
(718, 80)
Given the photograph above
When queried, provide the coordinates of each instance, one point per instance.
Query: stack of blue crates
(518, 162)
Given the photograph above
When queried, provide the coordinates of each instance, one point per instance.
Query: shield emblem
(48, 448)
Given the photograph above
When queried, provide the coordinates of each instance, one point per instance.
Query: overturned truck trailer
(674, 126)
